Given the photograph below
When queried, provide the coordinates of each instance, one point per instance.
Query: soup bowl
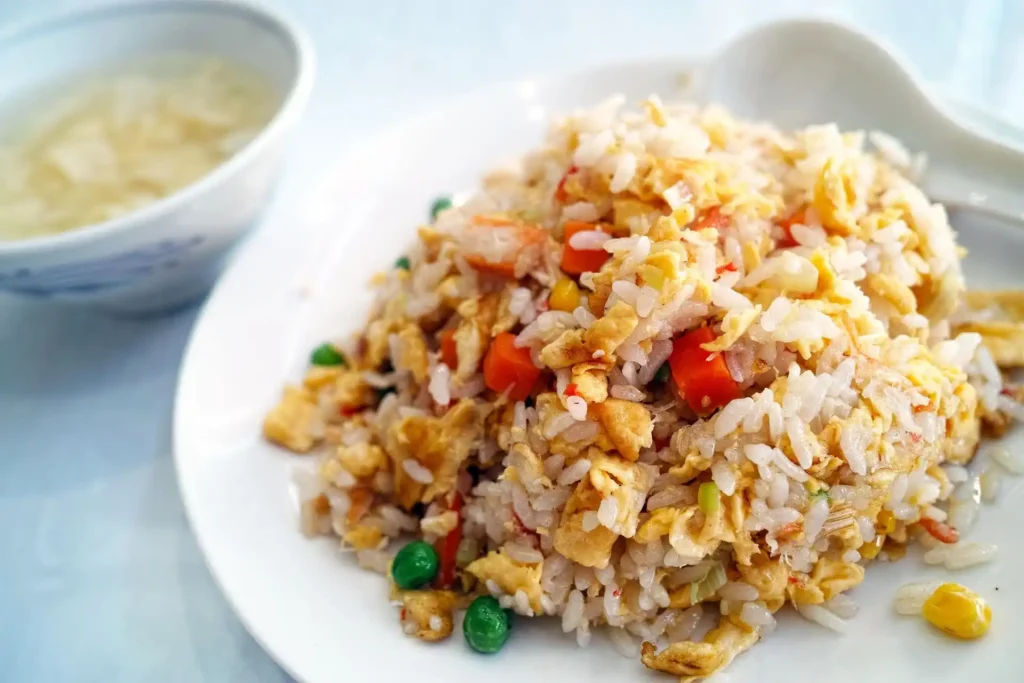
(169, 252)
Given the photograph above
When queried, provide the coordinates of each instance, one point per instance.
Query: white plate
(304, 279)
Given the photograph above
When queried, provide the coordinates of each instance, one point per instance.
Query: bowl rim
(291, 105)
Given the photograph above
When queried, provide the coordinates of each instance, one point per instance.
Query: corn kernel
(958, 611)
(565, 296)
(869, 551)
(886, 522)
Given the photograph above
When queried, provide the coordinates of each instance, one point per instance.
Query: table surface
(100, 578)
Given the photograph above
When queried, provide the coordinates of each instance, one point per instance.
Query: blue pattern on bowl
(109, 272)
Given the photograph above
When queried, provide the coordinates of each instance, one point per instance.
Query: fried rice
(673, 363)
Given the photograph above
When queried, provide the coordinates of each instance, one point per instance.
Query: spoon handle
(976, 173)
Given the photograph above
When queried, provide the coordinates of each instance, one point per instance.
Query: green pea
(403, 263)
(326, 354)
(415, 565)
(439, 205)
(662, 374)
(486, 625)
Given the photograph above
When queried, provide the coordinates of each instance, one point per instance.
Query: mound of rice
(740, 386)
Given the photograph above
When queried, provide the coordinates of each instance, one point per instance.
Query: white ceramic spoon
(800, 72)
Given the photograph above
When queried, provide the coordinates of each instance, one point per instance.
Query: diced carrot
(571, 390)
(797, 217)
(560, 194)
(727, 268)
(448, 547)
(579, 261)
(526, 235)
(702, 377)
(712, 218)
(506, 365)
(449, 354)
(940, 531)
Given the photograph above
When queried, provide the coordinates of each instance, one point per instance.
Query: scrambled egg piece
(470, 345)
(505, 320)
(734, 518)
(363, 537)
(835, 197)
(1009, 303)
(693, 464)
(601, 286)
(568, 349)
(362, 460)
(413, 354)
(692, 660)
(591, 380)
(609, 476)
(440, 444)
(440, 525)
(963, 430)
(892, 290)
(432, 241)
(377, 346)
(626, 208)
(628, 425)
(350, 392)
(483, 309)
(660, 522)
(320, 376)
(734, 325)
(607, 333)
(574, 449)
(294, 421)
(1004, 340)
(524, 464)
(1003, 334)
(666, 229)
(627, 482)
(938, 298)
(419, 606)
(828, 579)
(770, 576)
(692, 534)
(589, 548)
(474, 332)
(509, 575)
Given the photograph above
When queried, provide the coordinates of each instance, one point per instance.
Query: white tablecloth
(100, 578)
